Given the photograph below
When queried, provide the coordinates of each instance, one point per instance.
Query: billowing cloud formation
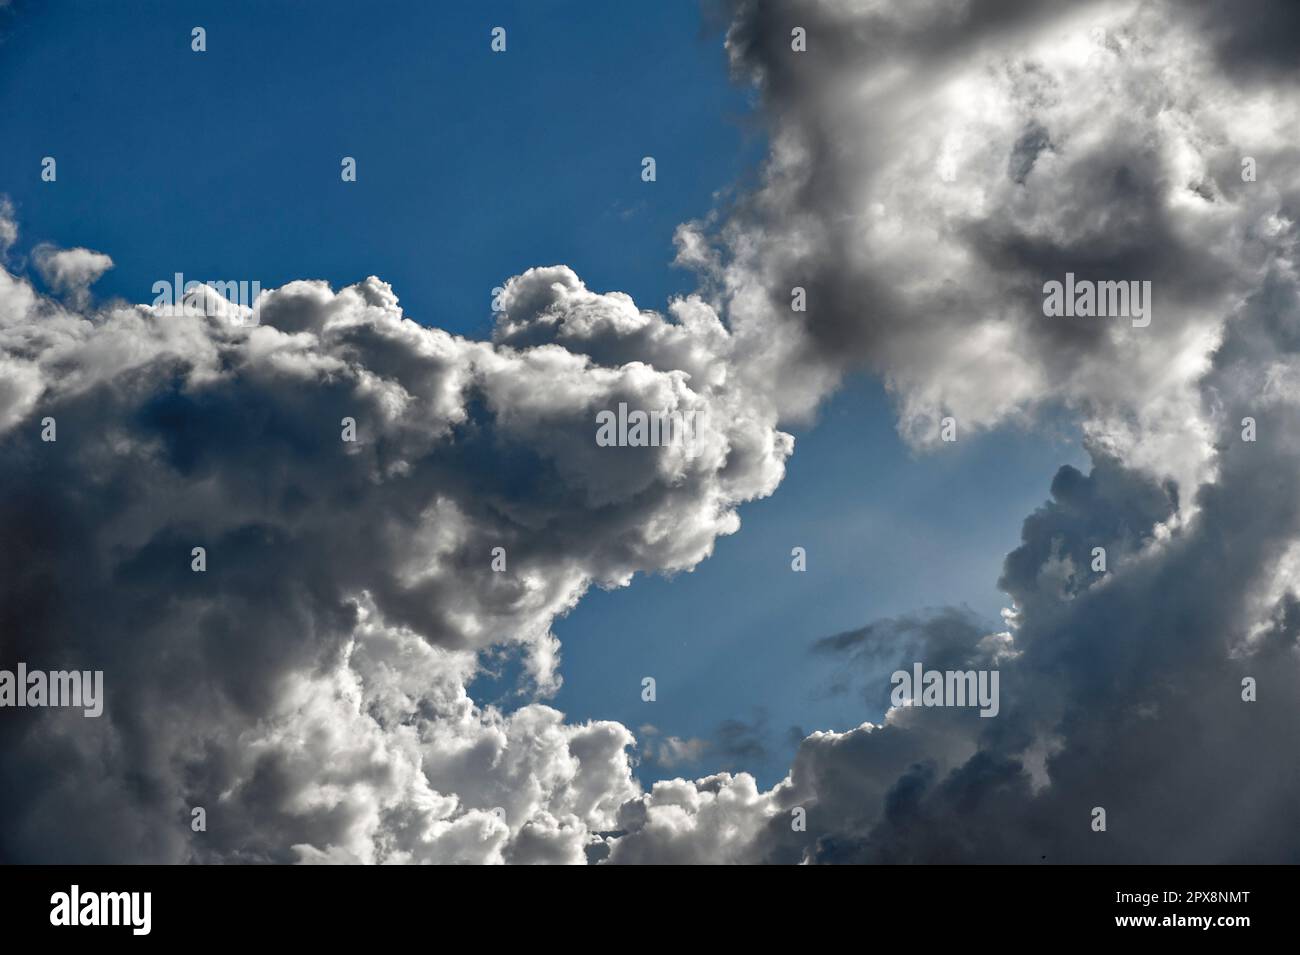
(933, 166)
(308, 688)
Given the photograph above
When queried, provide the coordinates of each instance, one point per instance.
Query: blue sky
(473, 167)
(887, 532)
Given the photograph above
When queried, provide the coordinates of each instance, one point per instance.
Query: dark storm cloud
(1253, 38)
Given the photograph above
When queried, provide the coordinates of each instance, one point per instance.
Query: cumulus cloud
(308, 688)
(933, 165)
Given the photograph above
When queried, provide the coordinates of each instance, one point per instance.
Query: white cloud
(327, 648)
(70, 271)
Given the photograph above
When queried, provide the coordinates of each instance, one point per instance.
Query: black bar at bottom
(913, 904)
